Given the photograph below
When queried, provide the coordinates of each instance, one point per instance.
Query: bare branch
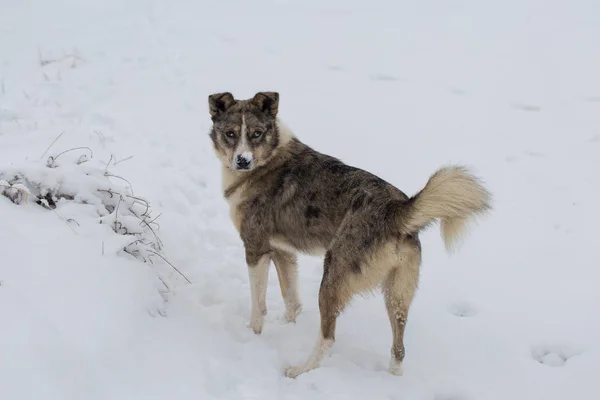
(119, 177)
(51, 160)
(145, 244)
(158, 241)
(125, 159)
(66, 222)
(175, 268)
(161, 279)
(108, 164)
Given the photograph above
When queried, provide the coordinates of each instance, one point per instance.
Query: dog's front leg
(258, 271)
(286, 266)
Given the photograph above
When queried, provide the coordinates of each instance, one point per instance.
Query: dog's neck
(233, 180)
(285, 133)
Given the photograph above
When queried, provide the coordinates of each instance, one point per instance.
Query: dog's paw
(294, 372)
(256, 323)
(396, 367)
(292, 311)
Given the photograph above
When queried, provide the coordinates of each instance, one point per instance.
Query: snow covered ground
(397, 88)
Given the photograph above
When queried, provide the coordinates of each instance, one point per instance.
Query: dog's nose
(241, 162)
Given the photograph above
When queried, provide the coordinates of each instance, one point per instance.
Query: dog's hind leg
(398, 290)
(333, 297)
(287, 272)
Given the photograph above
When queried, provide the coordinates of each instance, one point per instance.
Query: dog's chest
(234, 211)
(234, 199)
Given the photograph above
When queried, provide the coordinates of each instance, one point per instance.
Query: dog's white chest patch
(234, 199)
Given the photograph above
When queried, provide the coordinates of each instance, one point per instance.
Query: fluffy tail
(451, 195)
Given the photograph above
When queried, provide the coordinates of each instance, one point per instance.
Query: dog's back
(301, 198)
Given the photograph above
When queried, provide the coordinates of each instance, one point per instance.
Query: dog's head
(245, 132)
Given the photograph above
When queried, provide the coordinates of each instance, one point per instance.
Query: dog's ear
(219, 102)
(267, 102)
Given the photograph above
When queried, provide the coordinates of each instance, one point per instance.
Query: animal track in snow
(595, 139)
(533, 154)
(527, 107)
(102, 121)
(463, 309)
(513, 158)
(458, 92)
(450, 396)
(384, 78)
(227, 39)
(553, 355)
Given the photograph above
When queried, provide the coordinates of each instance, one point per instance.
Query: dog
(286, 198)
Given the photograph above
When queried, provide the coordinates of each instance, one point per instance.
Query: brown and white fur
(286, 198)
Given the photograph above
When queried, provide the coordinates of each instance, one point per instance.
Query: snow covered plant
(73, 177)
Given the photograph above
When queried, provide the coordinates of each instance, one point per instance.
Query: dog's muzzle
(241, 163)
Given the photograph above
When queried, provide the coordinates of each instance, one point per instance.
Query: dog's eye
(256, 134)
(230, 134)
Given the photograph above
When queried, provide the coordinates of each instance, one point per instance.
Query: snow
(398, 88)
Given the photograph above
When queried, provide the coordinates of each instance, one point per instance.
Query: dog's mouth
(242, 169)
